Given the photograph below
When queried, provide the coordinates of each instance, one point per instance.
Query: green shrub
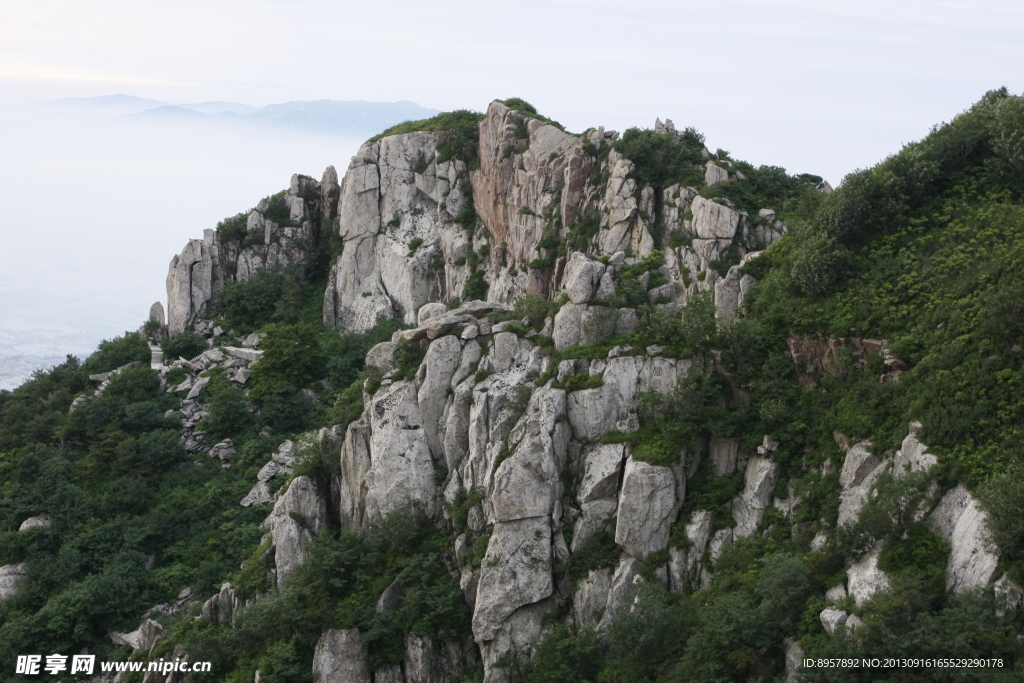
(476, 287)
(185, 345)
(113, 353)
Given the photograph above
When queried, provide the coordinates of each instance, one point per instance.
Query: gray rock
(1008, 595)
(759, 481)
(568, 326)
(419, 652)
(391, 598)
(222, 607)
(289, 535)
(147, 636)
(836, 593)
(724, 454)
(859, 463)
(431, 310)
(340, 656)
(714, 174)
(516, 571)
(595, 412)
(441, 361)
(581, 277)
(198, 388)
(864, 578)
(913, 455)
(38, 522)
(246, 354)
(647, 508)
(961, 523)
(390, 673)
(712, 220)
(156, 313)
(601, 468)
(623, 583)
(241, 376)
(259, 495)
(832, 618)
(592, 518)
(794, 655)
(591, 598)
(11, 576)
(382, 355)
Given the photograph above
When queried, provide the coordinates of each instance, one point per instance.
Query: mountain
(119, 101)
(505, 403)
(329, 117)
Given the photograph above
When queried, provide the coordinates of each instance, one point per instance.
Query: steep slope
(597, 405)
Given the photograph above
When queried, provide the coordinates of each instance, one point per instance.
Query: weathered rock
(297, 515)
(594, 412)
(147, 636)
(401, 473)
(712, 220)
(601, 468)
(1008, 595)
(623, 583)
(913, 455)
(591, 598)
(864, 578)
(198, 388)
(391, 598)
(724, 454)
(961, 523)
(568, 326)
(794, 658)
(259, 495)
(390, 673)
(419, 652)
(714, 174)
(581, 277)
(382, 356)
(11, 575)
(431, 310)
(858, 464)
(38, 522)
(647, 508)
(441, 360)
(192, 278)
(861, 469)
(832, 618)
(222, 607)
(759, 481)
(593, 516)
(340, 656)
(516, 571)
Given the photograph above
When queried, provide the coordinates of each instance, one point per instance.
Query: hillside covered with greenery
(924, 250)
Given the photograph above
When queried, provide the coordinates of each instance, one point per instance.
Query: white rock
(714, 174)
(431, 310)
(961, 523)
(832, 618)
(913, 455)
(147, 636)
(516, 571)
(623, 582)
(592, 518)
(591, 598)
(794, 657)
(601, 468)
(39, 521)
(594, 412)
(581, 277)
(568, 326)
(647, 508)
(11, 575)
(259, 495)
(864, 578)
(859, 463)
(382, 355)
(340, 656)
(759, 481)
(290, 537)
(712, 220)
(198, 387)
(836, 593)
(222, 607)
(1009, 595)
(441, 360)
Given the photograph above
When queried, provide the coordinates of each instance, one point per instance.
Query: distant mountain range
(330, 117)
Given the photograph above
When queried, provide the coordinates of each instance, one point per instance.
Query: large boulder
(516, 571)
(340, 656)
(647, 508)
(591, 598)
(713, 221)
(595, 412)
(961, 523)
(440, 362)
(864, 578)
(759, 481)
(297, 515)
(581, 277)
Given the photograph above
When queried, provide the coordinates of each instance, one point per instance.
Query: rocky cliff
(552, 298)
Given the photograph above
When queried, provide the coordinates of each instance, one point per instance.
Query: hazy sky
(92, 211)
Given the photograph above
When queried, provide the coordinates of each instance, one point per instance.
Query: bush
(185, 345)
(113, 353)
(660, 160)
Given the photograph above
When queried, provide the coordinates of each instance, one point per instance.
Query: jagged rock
(794, 658)
(391, 598)
(836, 593)
(198, 388)
(221, 607)
(38, 522)
(401, 472)
(515, 637)
(390, 673)
(601, 468)
(594, 412)
(516, 571)
(297, 515)
(860, 469)
(759, 481)
(224, 451)
(731, 291)
(241, 376)
(832, 618)
(192, 278)
(913, 455)
(527, 483)
(259, 495)
(568, 326)
(382, 355)
(11, 575)
(864, 578)
(419, 652)
(713, 221)
(156, 313)
(622, 584)
(593, 516)
(591, 598)
(1008, 595)
(961, 523)
(147, 636)
(581, 277)
(431, 310)
(724, 454)
(647, 508)
(719, 540)
(714, 174)
(340, 656)
(246, 354)
(441, 360)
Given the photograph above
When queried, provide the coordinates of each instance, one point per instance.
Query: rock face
(647, 508)
(298, 514)
(961, 523)
(341, 656)
(10, 576)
